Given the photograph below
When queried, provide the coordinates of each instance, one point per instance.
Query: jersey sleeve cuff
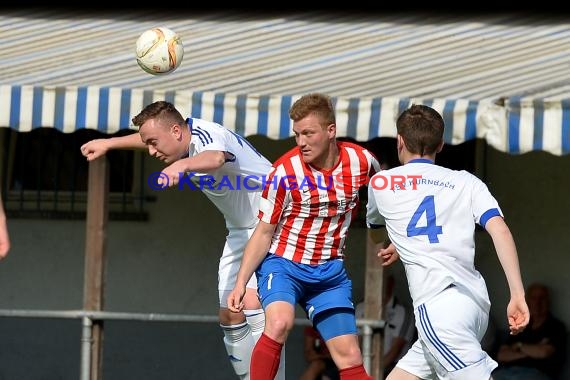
(488, 215)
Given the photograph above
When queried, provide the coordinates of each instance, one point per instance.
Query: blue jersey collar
(420, 161)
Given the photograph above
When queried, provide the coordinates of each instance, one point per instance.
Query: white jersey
(236, 186)
(431, 221)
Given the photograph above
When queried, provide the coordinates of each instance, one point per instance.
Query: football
(159, 51)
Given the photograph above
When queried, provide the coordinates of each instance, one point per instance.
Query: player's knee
(347, 355)
(345, 350)
(227, 317)
(278, 327)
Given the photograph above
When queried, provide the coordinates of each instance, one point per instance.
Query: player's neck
(186, 137)
(407, 157)
(330, 160)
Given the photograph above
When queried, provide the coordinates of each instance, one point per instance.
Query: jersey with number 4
(430, 214)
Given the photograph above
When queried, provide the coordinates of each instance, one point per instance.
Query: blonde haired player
(297, 249)
(219, 160)
(430, 218)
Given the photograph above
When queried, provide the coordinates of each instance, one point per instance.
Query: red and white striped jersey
(313, 208)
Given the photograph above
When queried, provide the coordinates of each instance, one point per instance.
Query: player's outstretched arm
(517, 310)
(203, 162)
(98, 147)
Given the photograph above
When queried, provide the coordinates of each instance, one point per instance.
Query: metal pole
(367, 347)
(86, 341)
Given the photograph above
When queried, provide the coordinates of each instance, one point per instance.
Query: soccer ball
(159, 51)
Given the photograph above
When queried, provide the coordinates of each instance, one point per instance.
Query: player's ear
(331, 129)
(176, 131)
(399, 143)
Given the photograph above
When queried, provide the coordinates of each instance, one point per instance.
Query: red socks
(354, 373)
(265, 359)
(267, 354)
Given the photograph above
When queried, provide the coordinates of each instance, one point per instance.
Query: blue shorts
(324, 291)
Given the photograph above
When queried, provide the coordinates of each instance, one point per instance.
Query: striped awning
(111, 109)
(536, 124)
(503, 78)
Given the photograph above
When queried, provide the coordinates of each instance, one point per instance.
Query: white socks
(239, 345)
(241, 338)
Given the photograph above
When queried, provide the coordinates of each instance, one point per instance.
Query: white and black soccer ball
(159, 51)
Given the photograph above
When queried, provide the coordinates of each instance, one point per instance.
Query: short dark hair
(421, 127)
(159, 110)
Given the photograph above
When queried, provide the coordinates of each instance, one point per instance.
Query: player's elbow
(496, 226)
(218, 160)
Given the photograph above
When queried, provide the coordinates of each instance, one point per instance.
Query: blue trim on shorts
(440, 346)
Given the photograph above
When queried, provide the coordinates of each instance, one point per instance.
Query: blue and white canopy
(503, 78)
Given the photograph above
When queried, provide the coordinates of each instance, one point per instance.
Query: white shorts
(450, 327)
(230, 262)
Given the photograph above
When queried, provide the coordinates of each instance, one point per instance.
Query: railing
(88, 317)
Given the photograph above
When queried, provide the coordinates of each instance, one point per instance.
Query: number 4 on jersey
(431, 229)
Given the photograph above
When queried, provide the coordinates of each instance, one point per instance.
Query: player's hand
(388, 255)
(517, 315)
(94, 149)
(235, 299)
(171, 174)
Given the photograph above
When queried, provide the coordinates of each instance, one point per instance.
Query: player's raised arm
(98, 147)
